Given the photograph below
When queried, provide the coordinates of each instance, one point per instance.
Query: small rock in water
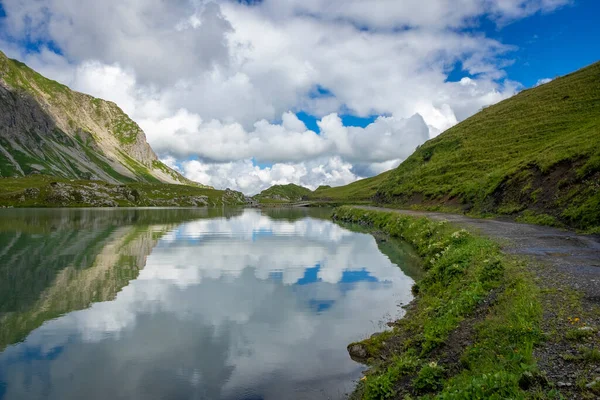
(356, 350)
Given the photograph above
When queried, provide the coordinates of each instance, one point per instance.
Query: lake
(190, 303)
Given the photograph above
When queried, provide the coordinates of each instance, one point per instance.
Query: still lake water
(190, 303)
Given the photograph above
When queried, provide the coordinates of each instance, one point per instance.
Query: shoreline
(479, 324)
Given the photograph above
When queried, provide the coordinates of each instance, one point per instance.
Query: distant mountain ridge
(47, 128)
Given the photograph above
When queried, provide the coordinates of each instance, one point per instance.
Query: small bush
(429, 379)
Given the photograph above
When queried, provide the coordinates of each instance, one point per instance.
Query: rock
(86, 137)
(357, 350)
(233, 197)
(32, 193)
(564, 384)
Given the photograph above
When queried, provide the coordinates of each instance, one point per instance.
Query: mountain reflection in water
(198, 303)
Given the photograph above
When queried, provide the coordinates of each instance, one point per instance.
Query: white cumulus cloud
(217, 84)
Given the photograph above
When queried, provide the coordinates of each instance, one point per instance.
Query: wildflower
(433, 364)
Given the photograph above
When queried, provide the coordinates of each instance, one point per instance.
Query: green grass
(537, 150)
(531, 217)
(356, 192)
(161, 166)
(283, 193)
(359, 192)
(125, 129)
(138, 169)
(19, 75)
(466, 276)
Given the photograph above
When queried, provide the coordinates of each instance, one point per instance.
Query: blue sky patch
(261, 165)
(362, 122)
(38, 46)
(347, 119)
(310, 276)
(320, 91)
(320, 305)
(357, 276)
(548, 44)
(457, 73)
(309, 120)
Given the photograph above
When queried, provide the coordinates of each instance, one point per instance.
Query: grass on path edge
(471, 331)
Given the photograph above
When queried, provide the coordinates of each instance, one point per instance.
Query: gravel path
(576, 257)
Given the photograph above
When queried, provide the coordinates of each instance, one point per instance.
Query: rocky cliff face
(46, 128)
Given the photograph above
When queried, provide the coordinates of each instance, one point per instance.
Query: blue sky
(553, 44)
(247, 94)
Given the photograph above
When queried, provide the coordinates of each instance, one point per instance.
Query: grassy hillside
(283, 194)
(535, 157)
(359, 191)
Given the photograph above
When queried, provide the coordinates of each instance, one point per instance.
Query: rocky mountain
(47, 128)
